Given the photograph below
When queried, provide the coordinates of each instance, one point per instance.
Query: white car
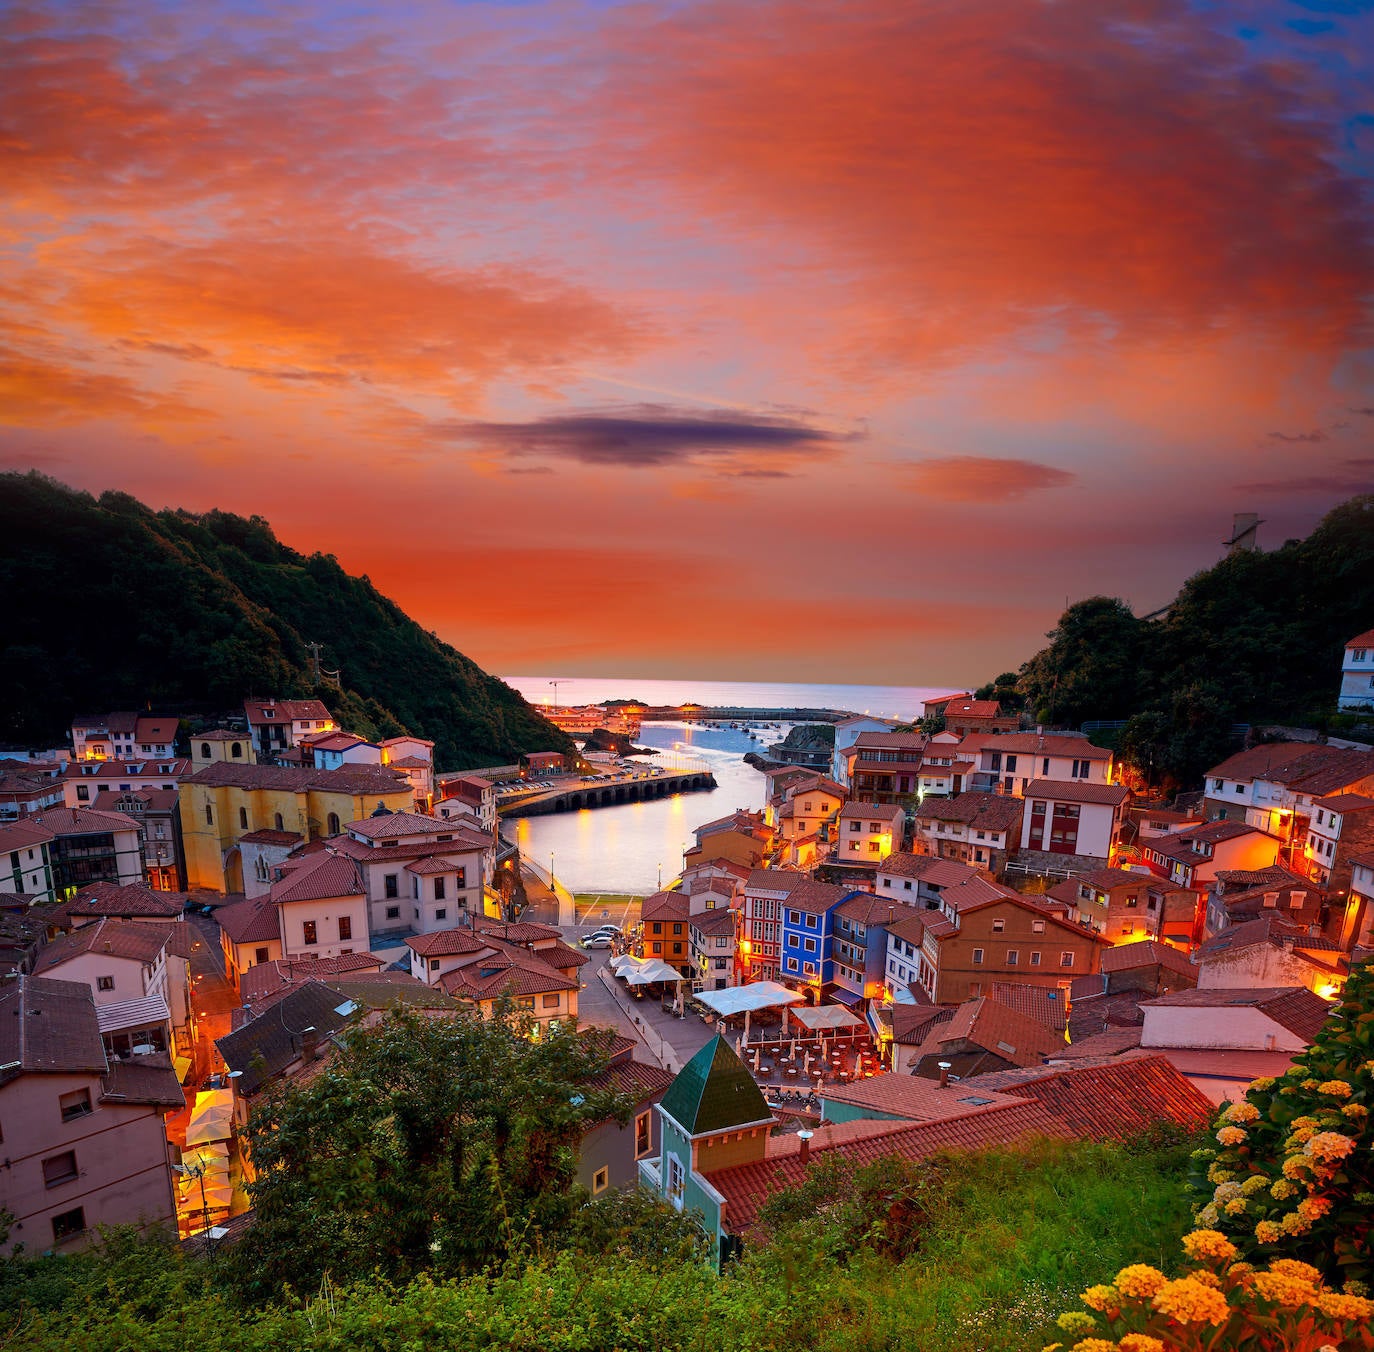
(597, 940)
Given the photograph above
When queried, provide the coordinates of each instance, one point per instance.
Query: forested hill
(109, 605)
(1256, 638)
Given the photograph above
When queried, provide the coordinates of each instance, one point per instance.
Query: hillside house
(124, 736)
(274, 725)
(1076, 818)
(1007, 764)
(1357, 673)
(980, 829)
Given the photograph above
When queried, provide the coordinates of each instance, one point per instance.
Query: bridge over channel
(588, 793)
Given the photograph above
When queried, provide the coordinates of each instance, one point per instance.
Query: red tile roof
(110, 899)
(973, 708)
(911, 1023)
(355, 780)
(50, 1026)
(1292, 1007)
(1075, 791)
(273, 711)
(934, 872)
(911, 927)
(664, 906)
(1040, 744)
(1364, 640)
(135, 940)
(514, 931)
(1148, 953)
(1300, 766)
(977, 810)
(1345, 802)
(319, 876)
(270, 837)
(447, 943)
(747, 1186)
(250, 921)
(77, 821)
(268, 980)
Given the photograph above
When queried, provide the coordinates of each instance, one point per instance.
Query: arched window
(243, 817)
(205, 751)
(278, 821)
(209, 815)
(333, 823)
(237, 751)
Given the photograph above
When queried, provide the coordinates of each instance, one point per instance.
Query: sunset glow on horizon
(788, 341)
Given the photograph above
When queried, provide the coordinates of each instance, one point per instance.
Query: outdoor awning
(846, 997)
(212, 1118)
(825, 1016)
(182, 1065)
(647, 972)
(742, 999)
(122, 1014)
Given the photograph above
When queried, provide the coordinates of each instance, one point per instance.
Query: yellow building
(222, 744)
(223, 802)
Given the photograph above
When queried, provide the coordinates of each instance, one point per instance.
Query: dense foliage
(1291, 1172)
(1003, 1241)
(1257, 638)
(427, 1144)
(109, 605)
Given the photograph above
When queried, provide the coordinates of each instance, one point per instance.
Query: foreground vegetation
(201, 611)
(973, 1252)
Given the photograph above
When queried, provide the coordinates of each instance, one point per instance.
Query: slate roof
(1292, 1007)
(48, 1025)
(714, 1092)
(144, 1079)
(267, 1044)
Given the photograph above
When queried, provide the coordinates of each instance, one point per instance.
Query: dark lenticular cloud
(652, 436)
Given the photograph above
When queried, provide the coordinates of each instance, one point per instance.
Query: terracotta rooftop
(134, 940)
(910, 1023)
(1076, 791)
(1345, 802)
(78, 821)
(270, 837)
(447, 943)
(1148, 953)
(319, 876)
(910, 925)
(1364, 640)
(112, 899)
(927, 868)
(273, 711)
(1265, 929)
(514, 931)
(355, 780)
(663, 907)
(853, 811)
(973, 708)
(266, 980)
(980, 811)
(266, 1045)
(48, 1026)
(1302, 767)
(774, 880)
(1042, 744)
(1292, 1007)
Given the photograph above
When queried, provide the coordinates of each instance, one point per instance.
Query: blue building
(858, 947)
(806, 957)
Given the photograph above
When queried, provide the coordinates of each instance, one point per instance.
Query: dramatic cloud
(979, 479)
(650, 436)
(1351, 476)
(1308, 438)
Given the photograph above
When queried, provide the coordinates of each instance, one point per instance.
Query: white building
(275, 724)
(25, 864)
(1357, 673)
(1073, 817)
(83, 780)
(321, 908)
(867, 833)
(120, 736)
(847, 732)
(1008, 762)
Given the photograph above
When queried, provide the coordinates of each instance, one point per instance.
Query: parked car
(608, 928)
(595, 941)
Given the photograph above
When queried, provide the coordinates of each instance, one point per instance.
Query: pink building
(84, 1139)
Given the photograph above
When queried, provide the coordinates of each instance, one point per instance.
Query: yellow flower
(1217, 1174)
(1101, 1298)
(1226, 1191)
(1190, 1302)
(1298, 1271)
(1241, 1112)
(1231, 1136)
(1355, 1111)
(1094, 1345)
(1294, 1224)
(1338, 1306)
(1139, 1280)
(1310, 1084)
(1336, 1088)
(1075, 1321)
(1300, 1136)
(1304, 1122)
(1295, 1166)
(1283, 1289)
(1239, 1270)
(1330, 1145)
(1282, 1189)
(1255, 1183)
(1267, 1232)
(1236, 1207)
(1141, 1342)
(1264, 1082)
(1206, 1278)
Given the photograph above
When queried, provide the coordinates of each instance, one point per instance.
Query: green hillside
(110, 605)
(1257, 638)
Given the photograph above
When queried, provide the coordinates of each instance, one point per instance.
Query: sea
(637, 848)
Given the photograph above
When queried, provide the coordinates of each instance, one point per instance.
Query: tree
(438, 1143)
(1092, 667)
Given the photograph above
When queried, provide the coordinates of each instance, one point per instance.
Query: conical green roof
(714, 1092)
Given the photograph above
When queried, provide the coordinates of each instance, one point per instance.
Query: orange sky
(779, 341)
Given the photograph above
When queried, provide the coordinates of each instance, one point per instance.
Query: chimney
(310, 1044)
(944, 1073)
(805, 1154)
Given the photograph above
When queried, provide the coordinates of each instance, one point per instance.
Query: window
(243, 818)
(439, 884)
(658, 948)
(461, 880)
(809, 945)
(345, 927)
(856, 826)
(68, 1223)
(791, 964)
(808, 969)
(83, 793)
(259, 955)
(977, 957)
(205, 751)
(1037, 927)
(236, 751)
(794, 917)
(59, 1169)
(677, 928)
(209, 815)
(393, 912)
(1066, 959)
(391, 885)
(104, 983)
(76, 1104)
(1013, 956)
(1357, 654)
(550, 1002)
(643, 1134)
(601, 1180)
(333, 823)
(441, 913)
(675, 1179)
(310, 932)
(873, 847)
(906, 886)
(1128, 927)
(277, 821)
(434, 964)
(1035, 958)
(998, 926)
